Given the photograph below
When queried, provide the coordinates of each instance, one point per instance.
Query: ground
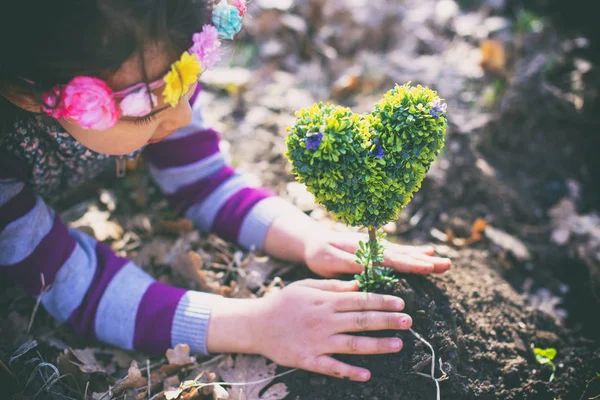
(512, 200)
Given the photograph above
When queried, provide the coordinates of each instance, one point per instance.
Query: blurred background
(518, 178)
(520, 169)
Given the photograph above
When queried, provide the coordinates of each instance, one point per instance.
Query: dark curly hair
(51, 42)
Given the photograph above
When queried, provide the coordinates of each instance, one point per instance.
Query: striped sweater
(82, 282)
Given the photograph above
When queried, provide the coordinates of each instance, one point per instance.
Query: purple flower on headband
(206, 46)
(437, 109)
(313, 141)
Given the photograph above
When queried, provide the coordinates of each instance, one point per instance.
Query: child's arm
(84, 283)
(194, 175)
(198, 181)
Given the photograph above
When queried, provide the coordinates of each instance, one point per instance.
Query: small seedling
(545, 356)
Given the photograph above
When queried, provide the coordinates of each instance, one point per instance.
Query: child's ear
(22, 100)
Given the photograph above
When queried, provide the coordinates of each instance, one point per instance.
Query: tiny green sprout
(366, 168)
(545, 356)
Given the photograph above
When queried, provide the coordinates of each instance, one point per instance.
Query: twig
(432, 376)
(37, 303)
(148, 371)
(587, 385)
(87, 386)
(198, 384)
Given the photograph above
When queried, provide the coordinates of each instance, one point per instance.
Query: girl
(85, 85)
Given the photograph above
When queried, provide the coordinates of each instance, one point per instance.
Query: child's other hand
(307, 321)
(333, 253)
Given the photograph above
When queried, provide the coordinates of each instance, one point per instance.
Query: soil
(484, 333)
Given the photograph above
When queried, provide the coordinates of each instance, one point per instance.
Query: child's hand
(333, 253)
(305, 323)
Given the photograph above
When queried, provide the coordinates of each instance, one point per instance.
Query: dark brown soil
(484, 333)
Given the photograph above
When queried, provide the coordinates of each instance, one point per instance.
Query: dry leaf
(171, 382)
(180, 355)
(255, 271)
(156, 251)
(85, 360)
(493, 56)
(190, 266)
(133, 380)
(251, 369)
(181, 225)
(97, 221)
(477, 229)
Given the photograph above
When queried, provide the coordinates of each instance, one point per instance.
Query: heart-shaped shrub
(365, 168)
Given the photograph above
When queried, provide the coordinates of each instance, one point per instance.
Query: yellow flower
(183, 74)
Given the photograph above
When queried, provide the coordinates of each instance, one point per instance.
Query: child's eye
(146, 120)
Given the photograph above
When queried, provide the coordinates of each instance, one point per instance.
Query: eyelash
(146, 120)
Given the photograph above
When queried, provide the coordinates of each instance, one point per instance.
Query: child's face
(130, 133)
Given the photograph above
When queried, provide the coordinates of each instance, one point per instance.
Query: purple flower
(313, 140)
(378, 150)
(437, 109)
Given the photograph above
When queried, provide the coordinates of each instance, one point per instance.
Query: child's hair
(51, 42)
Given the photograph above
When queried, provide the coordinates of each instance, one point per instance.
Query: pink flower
(51, 104)
(89, 102)
(137, 104)
(240, 5)
(206, 46)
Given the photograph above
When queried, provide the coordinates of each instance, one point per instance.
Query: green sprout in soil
(545, 357)
(366, 168)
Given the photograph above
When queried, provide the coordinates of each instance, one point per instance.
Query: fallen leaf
(476, 230)
(98, 222)
(251, 369)
(171, 382)
(190, 267)
(86, 360)
(181, 225)
(133, 380)
(178, 357)
(493, 56)
(255, 270)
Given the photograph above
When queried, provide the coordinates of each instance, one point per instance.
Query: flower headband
(91, 103)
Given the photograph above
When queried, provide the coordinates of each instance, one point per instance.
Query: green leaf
(548, 353)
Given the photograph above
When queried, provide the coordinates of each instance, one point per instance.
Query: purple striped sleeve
(229, 220)
(154, 318)
(16, 207)
(198, 191)
(108, 264)
(47, 258)
(184, 150)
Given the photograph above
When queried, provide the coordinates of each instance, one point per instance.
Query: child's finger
(329, 285)
(328, 365)
(407, 263)
(345, 262)
(361, 301)
(349, 344)
(371, 321)
(440, 264)
(400, 248)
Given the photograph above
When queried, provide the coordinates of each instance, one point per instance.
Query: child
(85, 85)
